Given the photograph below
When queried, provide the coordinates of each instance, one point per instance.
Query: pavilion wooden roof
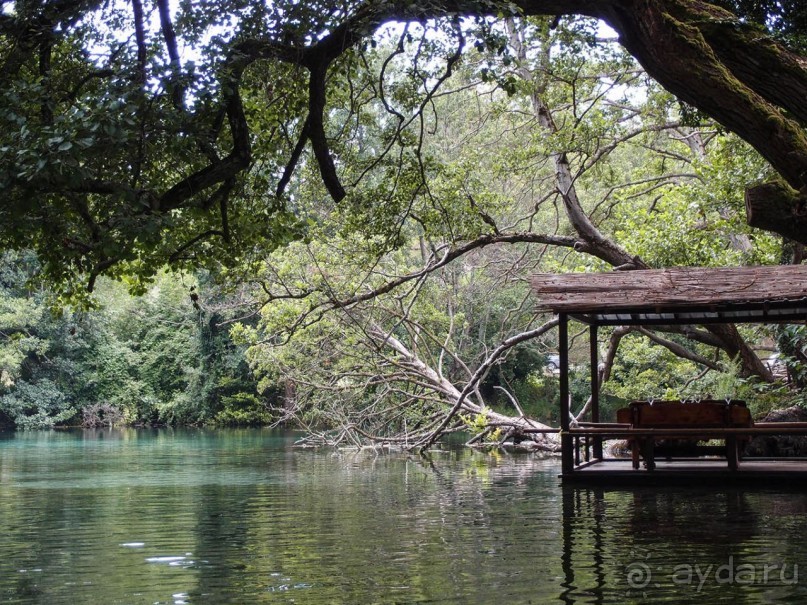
(678, 295)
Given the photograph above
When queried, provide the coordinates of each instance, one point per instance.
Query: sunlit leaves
(699, 223)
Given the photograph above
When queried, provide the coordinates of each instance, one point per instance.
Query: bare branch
(482, 371)
(680, 351)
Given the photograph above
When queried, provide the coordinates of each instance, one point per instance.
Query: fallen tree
(458, 393)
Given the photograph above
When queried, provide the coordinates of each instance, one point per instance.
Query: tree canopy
(135, 136)
(383, 178)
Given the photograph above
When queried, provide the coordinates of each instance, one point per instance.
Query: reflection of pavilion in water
(605, 531)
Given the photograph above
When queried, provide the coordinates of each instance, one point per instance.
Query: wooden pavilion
(679, 296)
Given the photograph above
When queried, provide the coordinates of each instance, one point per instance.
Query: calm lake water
(241, 517)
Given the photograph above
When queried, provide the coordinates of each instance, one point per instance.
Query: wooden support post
(649, 452)
(595, 388)
(566, 442)
(731, 451)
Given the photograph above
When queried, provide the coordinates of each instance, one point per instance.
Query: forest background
(371, 284)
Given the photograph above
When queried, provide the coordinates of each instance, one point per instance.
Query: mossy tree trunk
(731, 71)
(107, 209)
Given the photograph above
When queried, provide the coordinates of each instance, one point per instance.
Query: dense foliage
(199, 134)
(153, 359)
(380, 179)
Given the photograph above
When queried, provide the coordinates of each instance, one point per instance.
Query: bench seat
(709, 415)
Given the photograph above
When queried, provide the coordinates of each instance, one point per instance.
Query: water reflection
(684, 546)
(242, 517)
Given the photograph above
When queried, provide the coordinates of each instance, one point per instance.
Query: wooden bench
(707, 418)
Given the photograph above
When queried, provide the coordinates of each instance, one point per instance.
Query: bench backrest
(675, 414)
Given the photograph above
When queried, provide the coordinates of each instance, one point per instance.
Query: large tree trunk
(707, 58)
(703, 54)
(776, 207)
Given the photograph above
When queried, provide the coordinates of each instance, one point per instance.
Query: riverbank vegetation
(156, 358)
(310, 224)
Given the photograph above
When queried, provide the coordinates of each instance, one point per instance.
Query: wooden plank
(783, 425)
(752, 472)
(657, 289)
(672, 433)
(606, 425)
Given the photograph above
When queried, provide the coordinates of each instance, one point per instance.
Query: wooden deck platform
(683, 471)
